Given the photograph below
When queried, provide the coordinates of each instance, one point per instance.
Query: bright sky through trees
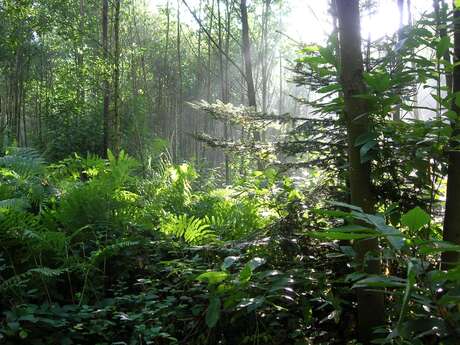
(309, 21)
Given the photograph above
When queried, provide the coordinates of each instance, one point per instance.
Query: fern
(18, 204)
(20, 280)
(26, 162)
(111, 250)
(190, 229)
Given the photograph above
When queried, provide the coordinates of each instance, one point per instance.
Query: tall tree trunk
(280, 104)
(370, 304)
(106, 86)
(207, 120)
(440, 13)
(116, 82)
(178, 110)
(397, 112)
(265, 17)
(163, 80)
(251, 92)
(451, 231)
(223, 81)
(80, 54)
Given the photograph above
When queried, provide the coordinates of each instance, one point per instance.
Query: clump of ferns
(23, 182)
(189, 229)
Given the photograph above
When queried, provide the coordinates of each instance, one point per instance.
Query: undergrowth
(97, 251)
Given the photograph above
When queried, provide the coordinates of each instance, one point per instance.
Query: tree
(370, 304)
(247, 55)
(451, 230)
(251, 92)
(116, 82)
(106, 83)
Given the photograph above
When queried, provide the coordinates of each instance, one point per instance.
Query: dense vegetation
(139, 204)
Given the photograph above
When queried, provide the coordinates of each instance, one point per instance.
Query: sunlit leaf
(381, 282)
(415, 219)
(442, 46)
(255, 263)
(229, 261)
(213, 277)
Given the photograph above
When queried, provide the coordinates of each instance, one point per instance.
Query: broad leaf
(381, 282)
(334, 235)
(213, 277)
(415, 219)
(442, 46)
(245, 274)
(255, 263)
(213, 313)
(229, 261)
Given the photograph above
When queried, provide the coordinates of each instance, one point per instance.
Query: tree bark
(106, 85)
(251, 92)
(247, 55)
(178, 110)
(451, 230)
(116, 82)
(370, 304)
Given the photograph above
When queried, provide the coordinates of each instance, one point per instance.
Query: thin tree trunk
(370, 304)
(265, 17)
(116, 82)
(251, 92)
(226, 97)
(223, 83)
(247, 55)
(397, 112)
(280, 105)
(442, 25)
(23, 111)
(178, 110)
(106, 86)
(80, 54)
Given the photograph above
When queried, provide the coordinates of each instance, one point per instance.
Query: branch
(212, 39)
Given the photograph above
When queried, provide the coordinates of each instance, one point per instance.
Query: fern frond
(22, 279)
(18, 204)
(24, 161)
(112, 250)
(190, 229)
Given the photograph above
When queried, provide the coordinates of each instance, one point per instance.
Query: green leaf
(334, 235)
(255, 263)
(438, 247)
(457, 3)
(349, 206)
(213, 313)
(451, 115)
(415, 219)
(410, 281)
(380, 81)
(329, 88)
(365, 138)
(364, 150)
(328, 55)
(310, 48)
(442, 46)
(457, 99)
(213, 277)
(381, 282)
(245, 274)
(229, 261)
(393, 235)
(353, 228)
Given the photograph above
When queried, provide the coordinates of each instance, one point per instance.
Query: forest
(229, 172)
